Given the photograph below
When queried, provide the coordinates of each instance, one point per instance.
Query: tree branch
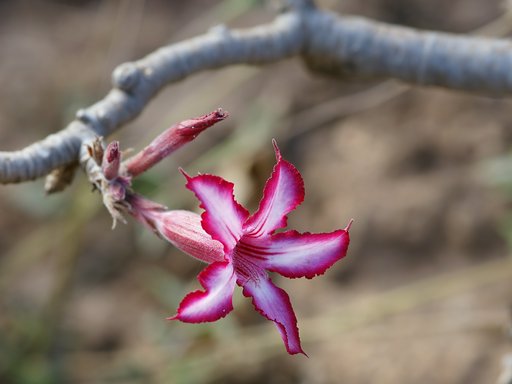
(355, 46)
(339, 46)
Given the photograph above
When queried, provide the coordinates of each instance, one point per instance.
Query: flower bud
(170, 140)
(111, 161)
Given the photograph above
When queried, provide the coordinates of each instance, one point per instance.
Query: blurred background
(425, 294)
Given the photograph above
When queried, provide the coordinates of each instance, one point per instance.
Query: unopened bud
(170, 140)
(111, 161)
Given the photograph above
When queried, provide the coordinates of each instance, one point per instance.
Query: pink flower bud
(111, 161)
(170, 140)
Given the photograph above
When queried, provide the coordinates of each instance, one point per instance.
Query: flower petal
(215, 302)
(293, 254)
(223, 216)
(283, 192)
(274, 303)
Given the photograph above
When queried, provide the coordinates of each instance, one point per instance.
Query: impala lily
(240, 248)
(250, 248)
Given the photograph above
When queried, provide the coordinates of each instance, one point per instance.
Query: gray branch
(340, 46)
(355, 46)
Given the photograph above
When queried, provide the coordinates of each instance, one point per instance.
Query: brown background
(423, 296)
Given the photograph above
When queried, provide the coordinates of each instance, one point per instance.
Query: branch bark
(355, 46)
(338, 45)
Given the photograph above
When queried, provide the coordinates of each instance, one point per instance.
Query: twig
(328, 43)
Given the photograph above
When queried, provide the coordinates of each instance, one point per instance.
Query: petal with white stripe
(215, 302)
(283, 192)
(293, 254)
(274, 303)
(223, 216)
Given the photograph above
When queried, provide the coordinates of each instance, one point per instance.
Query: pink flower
(251, 248)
